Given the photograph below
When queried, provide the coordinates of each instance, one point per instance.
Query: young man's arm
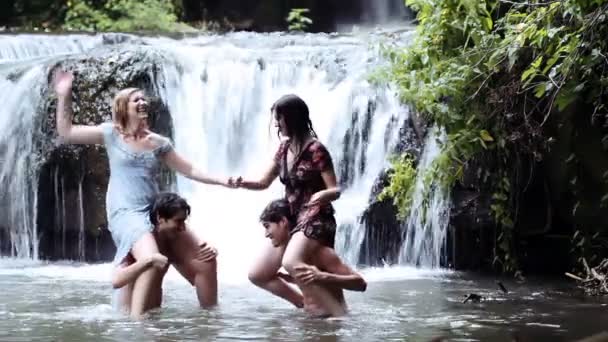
(335, 272)
(125, 273)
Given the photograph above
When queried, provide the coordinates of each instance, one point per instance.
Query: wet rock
(5, 241)
(73, 178)
(473, 297)
(471, 228)
(502, 287)
(382, 228)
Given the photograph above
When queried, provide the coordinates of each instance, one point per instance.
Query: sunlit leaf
(485, 135)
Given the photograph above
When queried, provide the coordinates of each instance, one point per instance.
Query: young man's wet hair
(276, 210)
(166, 205)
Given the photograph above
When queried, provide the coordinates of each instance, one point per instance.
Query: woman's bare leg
(144, 287)
(202, 275)
(300, 250)
(264, 275)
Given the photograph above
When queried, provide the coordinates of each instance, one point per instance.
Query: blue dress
(133, 184)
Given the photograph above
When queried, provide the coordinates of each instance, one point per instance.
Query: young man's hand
(206, 253)
(307, 274)
(158, 260)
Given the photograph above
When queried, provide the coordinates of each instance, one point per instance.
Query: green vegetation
(123, 16)
(501, 77)
(402, 183)
(153, 15)
(297, 19)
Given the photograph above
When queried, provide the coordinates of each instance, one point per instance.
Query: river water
(71, 302)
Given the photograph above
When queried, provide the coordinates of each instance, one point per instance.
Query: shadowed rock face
(74, 178)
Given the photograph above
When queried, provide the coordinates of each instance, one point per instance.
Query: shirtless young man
(324, 269)
(168, 213)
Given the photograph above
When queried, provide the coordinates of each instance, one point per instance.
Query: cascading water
(223, 122)
(426, 228)
(26, 47)
(18, 200)
(23, 75)
(219, 90)
(81, 223)
(382, 11)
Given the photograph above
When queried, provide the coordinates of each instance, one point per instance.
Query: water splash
(426, 228)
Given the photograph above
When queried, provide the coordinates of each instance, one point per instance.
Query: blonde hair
(120, 108)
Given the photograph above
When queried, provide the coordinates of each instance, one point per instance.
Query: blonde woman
(135, 155)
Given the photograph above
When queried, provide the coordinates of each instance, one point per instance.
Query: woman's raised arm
(70, 133)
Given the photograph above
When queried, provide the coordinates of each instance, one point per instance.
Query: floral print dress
(301, 181)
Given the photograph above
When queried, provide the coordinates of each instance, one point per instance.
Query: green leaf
(550, 63)
(537, 62)
(539, 90)
(564, 98)
(485, 136)
(513, 56)
(527, 73)
(579, 87)
(487, 23)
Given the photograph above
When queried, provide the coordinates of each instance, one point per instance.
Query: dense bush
(494, 74)
(122, 15)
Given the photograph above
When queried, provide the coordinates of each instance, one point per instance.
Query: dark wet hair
(166, 205)
(276, 210)
(295, 113)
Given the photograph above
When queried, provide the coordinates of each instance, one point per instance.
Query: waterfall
(18, 180)
(383, 11)
(223, 122)
(426, 228)
(219, 90)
